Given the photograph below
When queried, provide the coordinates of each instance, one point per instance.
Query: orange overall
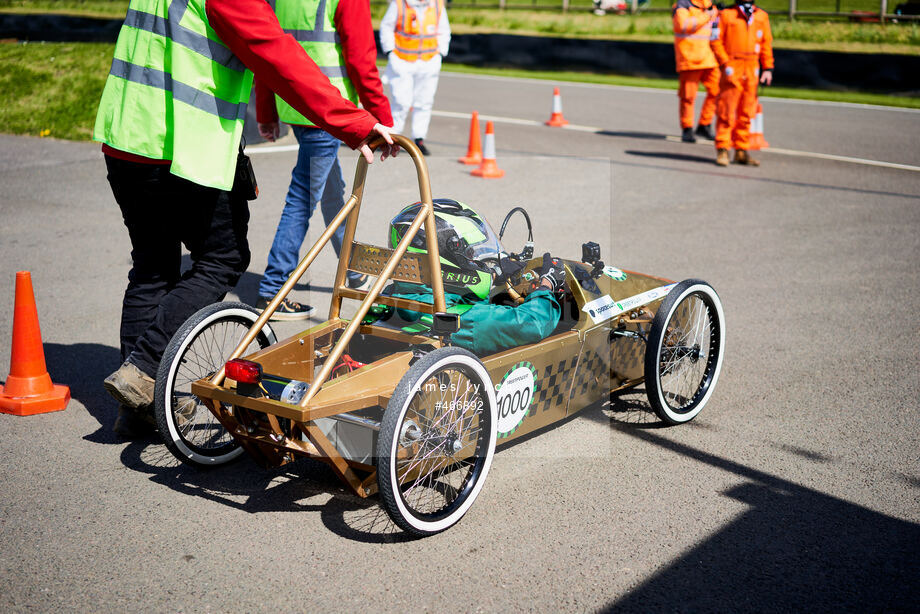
(694, 59)
(743, 48)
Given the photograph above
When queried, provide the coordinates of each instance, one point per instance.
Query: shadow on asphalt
(83, 366)
(717, 171)
(671, 156)
(247, 288)
(626, 134)
(793, 549)
(242, 485)
(305, 485)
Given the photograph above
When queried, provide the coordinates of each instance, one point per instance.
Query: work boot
(687, 136)
(130, 386)
(287, 310)
(134, 423)
(706, 131)
(421, 147)
(722, 157)
(743, 157)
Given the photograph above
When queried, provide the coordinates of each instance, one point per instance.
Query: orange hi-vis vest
(692, 33)
(416, 35)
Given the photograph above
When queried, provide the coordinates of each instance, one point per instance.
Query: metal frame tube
(302, 267)
(426, 216)
(351, 211)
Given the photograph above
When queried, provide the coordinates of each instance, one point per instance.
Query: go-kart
(404, 413)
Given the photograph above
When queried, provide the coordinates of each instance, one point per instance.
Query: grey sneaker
(130, 386)
(133, 423)
(359, 283)
(287, 310)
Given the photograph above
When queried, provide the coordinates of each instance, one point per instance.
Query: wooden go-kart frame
(375, 426)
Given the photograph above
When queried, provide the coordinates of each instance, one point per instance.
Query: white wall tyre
(200, 348)
(683, 356)
(437, 441)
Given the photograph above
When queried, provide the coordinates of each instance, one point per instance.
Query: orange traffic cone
(28, 388)
(556, 119)
(474, 151)
(489, 168)
(757, 140)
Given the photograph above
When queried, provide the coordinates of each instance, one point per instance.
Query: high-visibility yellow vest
(312, 24)
(417, 34)
(175, 92)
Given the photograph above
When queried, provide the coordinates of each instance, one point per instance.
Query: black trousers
(163, 212)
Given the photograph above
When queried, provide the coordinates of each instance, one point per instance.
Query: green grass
(814, 33)
(52, 89)
(91, 8)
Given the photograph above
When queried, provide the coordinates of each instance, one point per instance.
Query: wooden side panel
(591, 381)
(545, 370)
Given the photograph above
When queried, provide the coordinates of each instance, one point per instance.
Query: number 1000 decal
(514, 394)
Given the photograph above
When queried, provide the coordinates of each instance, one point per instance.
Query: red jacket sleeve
(353, 23)
(266, 109)
(251, 30)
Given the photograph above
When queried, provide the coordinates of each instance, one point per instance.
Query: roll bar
(349, 214)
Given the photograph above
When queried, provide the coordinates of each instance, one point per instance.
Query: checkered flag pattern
(554, 384)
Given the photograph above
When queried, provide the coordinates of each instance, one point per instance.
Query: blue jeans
(317, 177)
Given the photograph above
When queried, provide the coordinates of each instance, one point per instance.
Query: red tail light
(243, 371)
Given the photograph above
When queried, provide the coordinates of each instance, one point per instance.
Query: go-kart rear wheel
(684, 353)
(199, 349)
(437, 440)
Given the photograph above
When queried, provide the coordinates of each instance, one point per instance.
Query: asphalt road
(797, 488)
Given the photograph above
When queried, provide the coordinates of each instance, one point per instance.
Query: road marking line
(670, 92)
(594, 130)
(254, 149)
(823, 156)
(675, 139)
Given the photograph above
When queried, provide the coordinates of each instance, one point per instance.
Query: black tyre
(684, 353)
(199, 349)
(437, 440)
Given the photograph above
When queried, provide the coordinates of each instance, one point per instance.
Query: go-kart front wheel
(199, 349)
(684, 353)
(436, 442)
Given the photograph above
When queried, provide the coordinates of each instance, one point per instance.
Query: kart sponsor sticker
(614, 273)
(601, 309)
(604, 308)
(513, 396)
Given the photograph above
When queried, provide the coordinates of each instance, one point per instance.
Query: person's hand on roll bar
(388, 150)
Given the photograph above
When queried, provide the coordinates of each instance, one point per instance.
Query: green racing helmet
(470, 250)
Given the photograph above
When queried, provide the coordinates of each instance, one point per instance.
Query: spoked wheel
(437, 440)
(199, 349)
(684, 353)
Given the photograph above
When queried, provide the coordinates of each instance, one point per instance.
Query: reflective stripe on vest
(414, 38)
(175, 92)
(312, 24)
